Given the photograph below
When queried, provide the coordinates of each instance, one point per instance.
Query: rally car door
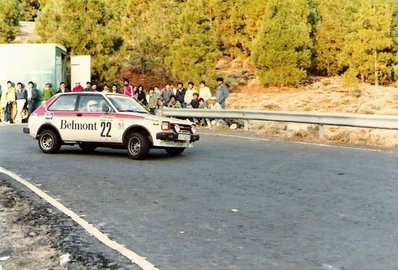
(98, 123)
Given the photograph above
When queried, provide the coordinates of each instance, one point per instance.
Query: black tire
(87, 147)
(138, 146)
(49, 141)
(174, 151)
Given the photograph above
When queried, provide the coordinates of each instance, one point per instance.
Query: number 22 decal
(106, 129)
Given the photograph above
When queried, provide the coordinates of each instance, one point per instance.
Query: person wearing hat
(47, 92)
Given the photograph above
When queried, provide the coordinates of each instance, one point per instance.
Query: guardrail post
(321, 131)
(246, 125)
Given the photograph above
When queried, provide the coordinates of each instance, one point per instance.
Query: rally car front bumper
(177, 137)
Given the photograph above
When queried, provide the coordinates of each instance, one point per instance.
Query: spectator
(166, 93)
(152, 100)
(204, 91)
(159, 106)
(47, 92)
(157, 91)
(114, 89)
(8, 102)
(141, 96)
(94, 88)
(127, 88)
(78, 87)
(213, 105)
(174, 103)
(21, 101)
(189, 93)
(88, 87)
(62, 88)
(222, 92)
(106, 89)
(32, 95)
(203, 105)
(180, 92)
(195, 101)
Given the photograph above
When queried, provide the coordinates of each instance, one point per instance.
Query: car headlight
(166, 125)
(177, 128)
(193, 129)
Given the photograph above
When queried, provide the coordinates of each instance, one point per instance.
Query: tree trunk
(376, 71)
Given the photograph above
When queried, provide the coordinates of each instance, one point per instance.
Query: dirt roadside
(323, 95)
(34, 235)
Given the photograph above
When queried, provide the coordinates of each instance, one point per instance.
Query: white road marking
(295, 142)
(132, 256)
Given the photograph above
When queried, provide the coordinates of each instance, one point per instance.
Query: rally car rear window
(64, 103)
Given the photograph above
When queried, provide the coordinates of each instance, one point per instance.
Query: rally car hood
(161, 118)
(168, 119)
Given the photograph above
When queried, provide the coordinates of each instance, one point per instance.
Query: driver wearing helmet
(92, 106)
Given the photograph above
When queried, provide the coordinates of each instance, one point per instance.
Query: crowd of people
(18, 102)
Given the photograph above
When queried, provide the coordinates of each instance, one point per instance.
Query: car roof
(91, 93)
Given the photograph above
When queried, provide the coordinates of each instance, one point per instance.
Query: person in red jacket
(78, 87)
(127, 88)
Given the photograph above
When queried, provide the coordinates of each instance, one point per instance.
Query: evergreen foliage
(281, 51)
(9, 20)
(367, 49)
(194, 50)
(183, 39)
(29, 9)
(85, 27)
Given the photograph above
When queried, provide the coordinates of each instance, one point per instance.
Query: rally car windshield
(127, 104)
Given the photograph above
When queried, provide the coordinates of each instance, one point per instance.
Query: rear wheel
(49, 141)
(138, 146)
(87, 147)
(175, 151)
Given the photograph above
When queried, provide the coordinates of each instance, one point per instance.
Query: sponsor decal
(65, 124)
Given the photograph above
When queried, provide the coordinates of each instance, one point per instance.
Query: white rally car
(92, 119)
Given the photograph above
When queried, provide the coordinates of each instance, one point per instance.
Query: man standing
(189, 94)
(127, 88)
(62, 88)
(21, 101)
(180, 92)
(204, 92)
(78, 87)
(32, 95)
(88, 87)
(47, 92)
(167, 92)
(222, 92)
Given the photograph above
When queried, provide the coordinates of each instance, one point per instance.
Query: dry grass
(325, 95)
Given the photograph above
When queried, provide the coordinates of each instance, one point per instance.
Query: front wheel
(49, 142)
(138, 146)
(174, 151)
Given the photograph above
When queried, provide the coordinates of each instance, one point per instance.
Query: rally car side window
(92, 103)
(64, 103)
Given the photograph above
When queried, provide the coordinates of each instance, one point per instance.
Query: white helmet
(91, 103)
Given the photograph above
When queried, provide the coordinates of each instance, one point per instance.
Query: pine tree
(367, 50)
(9, 20)
(85, 27)
(29, 9)
(194, 51)
(281, 52)
(335, 23)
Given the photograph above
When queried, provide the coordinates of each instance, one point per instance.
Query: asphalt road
(229, 203)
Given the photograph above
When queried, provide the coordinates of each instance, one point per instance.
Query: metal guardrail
(321, 119)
